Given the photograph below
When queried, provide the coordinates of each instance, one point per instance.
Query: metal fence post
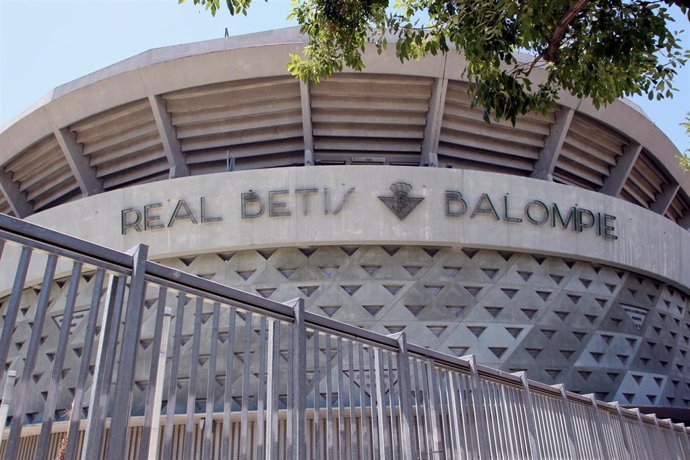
(648, 446)
(683, 439)
(6, 399)
(599, 431)
(434, 408)
(43, 446)
(158, 392)
(532, 420)
(128, 355)
(75, 416)
(299, 350)
(153, 374)
(105, 357)
(407, 436)
(272, 389)
(478, 407)
(568, 418)
(626, 441)
(20, 398)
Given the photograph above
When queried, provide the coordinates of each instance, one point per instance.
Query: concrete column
(78, 163)
(665, 198)
(434, 119)
(620, 172)
(307, 129)
(685, 221)
(543, 168)
(166, 129)
(16, 199)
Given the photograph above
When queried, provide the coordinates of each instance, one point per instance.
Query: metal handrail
(134, 266)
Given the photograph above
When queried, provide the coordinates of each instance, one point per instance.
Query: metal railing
(145, 361)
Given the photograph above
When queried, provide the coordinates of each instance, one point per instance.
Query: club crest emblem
(401, 203)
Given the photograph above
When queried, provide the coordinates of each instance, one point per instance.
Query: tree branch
(559, 32)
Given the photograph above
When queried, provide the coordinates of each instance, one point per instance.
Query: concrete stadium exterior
(559, 246)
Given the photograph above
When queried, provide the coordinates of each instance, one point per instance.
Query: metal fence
(175, 366)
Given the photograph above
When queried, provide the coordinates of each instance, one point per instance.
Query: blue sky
(44, 44)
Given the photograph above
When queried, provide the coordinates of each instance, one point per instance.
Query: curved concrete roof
(230, 104)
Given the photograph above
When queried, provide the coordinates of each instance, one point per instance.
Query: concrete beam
(308, 132)
(620, 172)
(434, 119)
(543, 169)
(16, 199)
(78, 163)
(166, 129)
(664, 199)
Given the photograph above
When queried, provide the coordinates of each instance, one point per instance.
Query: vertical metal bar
(363, 423)
(524, 428)
(551, 441)
(153, 374)
(354, 444)
(488, 416)
(626, 441)
(516, 421)
(663, 444)
(531, 418)
(172, 383)
(158, 388)
(454, 413)
(211, 384)
(428, 438)
(244, 419)
(417, 403)
(590, 436)
(128, 356)
(105, 360)
(300, 357)
(478, 403)
(56, 374)
(330, 444)
(13, 307)
(372, 406)
(392, 408)
(509, 423)
(73, 434)
(464, 419)
(443, 409)
(20, 397)
(341, 397)
(383, 436)
(567, 417)
(318, 450)
(191, 391)
(260, 425)
(289, 423)
(6, 400)
(433, 408)
(227, 391)
(492, 393)
(272, 386)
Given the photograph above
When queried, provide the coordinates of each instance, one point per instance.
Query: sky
(45, 43)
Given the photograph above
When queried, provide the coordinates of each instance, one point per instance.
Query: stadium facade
(558, 246)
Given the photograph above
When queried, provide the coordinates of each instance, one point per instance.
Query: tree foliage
(597, 49)
(685, 158)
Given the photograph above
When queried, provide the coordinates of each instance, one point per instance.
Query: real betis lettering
(535, 212)
(253, 205)
(321, 203)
